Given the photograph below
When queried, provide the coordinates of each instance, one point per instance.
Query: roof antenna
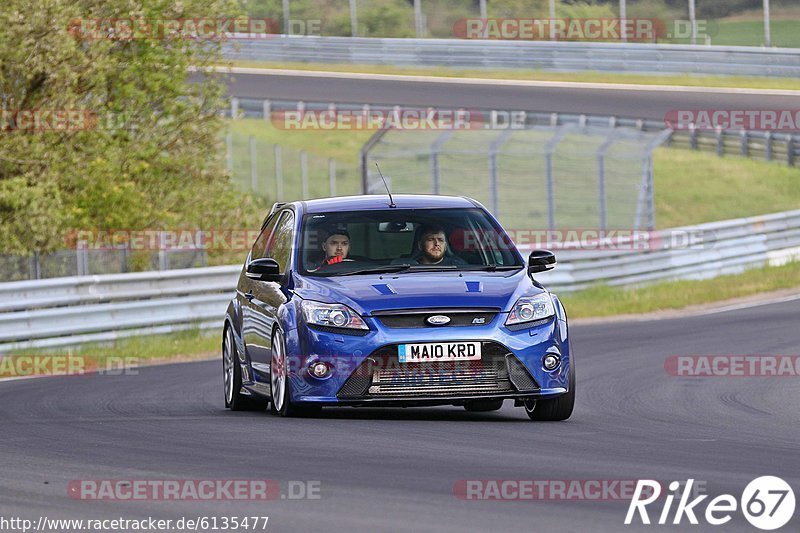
(391, 201)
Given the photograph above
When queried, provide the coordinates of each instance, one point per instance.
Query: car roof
(369, 202)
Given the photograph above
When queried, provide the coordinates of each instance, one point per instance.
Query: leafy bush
(152, 160)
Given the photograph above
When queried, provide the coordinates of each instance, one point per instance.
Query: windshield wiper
(429, 268)
(492, 268)
(386, 269)
(375, 270)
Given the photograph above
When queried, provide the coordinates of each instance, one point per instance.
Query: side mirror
(264, 269)
(541, 261)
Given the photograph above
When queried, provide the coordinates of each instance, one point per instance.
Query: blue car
(411, 300)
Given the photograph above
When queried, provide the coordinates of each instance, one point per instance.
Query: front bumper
(355, 359)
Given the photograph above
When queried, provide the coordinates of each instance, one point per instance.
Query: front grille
(446, 377)
(417, 319)
(359, 381)
(519, 375)
(382, 376)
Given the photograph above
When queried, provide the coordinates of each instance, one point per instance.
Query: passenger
(432, 246)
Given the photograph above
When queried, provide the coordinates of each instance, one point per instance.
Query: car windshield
(403, 240)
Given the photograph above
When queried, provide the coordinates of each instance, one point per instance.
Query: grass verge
(191, 344)
(602, 301)
(744, 82)
(696, 187)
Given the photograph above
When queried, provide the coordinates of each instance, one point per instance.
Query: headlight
(332, 315)
(530, 308)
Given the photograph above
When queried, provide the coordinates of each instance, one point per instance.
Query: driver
(432, 245)
(336, 246)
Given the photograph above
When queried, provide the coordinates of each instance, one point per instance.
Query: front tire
(280, 384)
(232, 378)
(555, 409)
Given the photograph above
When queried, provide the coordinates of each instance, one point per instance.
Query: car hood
(368, 293)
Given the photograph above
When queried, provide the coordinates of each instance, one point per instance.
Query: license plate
(439, 351)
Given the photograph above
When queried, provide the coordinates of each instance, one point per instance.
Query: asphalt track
(628, 102)
(395, 469)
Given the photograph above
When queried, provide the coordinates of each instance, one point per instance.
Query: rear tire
(232, 378)
(483, 406)
(280, 384)
(555, 409)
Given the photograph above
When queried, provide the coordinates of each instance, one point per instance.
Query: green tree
(152, 159)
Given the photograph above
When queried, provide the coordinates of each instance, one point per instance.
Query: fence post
(494, 200)
(601, 177)
(790, 150)
(436, 146)
(278, 172)
(83, 262)
(332, 175)
(253, 165)
(304, 173)
(646, 188)
(418, 20)
(693, 136)
(286, 16)
(744, 146)
(363, 156)
(720, 141)
(353, 18)
(267, 110)
(163, 260)
(768, 146)
(550, 182)
(36, 266)
(229, 152)
(234, 108)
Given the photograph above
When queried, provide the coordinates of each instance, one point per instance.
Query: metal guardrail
(75, 310)
(727, 247)
(555, 56)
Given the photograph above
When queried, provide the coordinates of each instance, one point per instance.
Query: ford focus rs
(408, 301)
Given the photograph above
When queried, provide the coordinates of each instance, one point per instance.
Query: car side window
(279, 246)
(260, 246)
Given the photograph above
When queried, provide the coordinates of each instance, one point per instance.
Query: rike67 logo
(767, 503)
